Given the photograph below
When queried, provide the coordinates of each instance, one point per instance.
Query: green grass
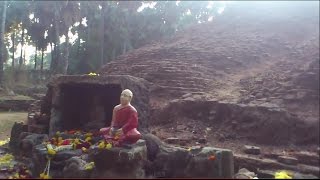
(18, 97)
(7, 119)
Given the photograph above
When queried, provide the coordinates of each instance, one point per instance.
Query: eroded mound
(255, 53)
(264, 56)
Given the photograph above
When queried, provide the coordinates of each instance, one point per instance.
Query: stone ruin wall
(44, 116)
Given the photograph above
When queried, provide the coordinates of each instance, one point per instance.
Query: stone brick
(251, 150)
(202, 140)
(288, 160)
(307, 158)
(172, 140)
(112, 163)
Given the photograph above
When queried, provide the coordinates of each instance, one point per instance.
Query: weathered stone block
(307, 158)
(202, 140)
(75, 168)
(181, 127)
(207, 162)
(15, 105)
(16, 130)
(172, 140)
(153, 144)
(267, 174)
(251, 150)
(119, 162)
(304, 176)
(288, 160)
(39, 157)
(67, 154)
(30, 141)
(245, 174)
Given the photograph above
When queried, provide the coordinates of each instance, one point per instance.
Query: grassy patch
(18, 97)
(7, 119)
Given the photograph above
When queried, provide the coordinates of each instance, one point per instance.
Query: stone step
(177, 71)
(174, 81)
(256, 163)
(288, 160)
(188, 80)
(307, 158)
(194, 78)
(175, 74)
(181, 88)
(181, 84)
(269, 174)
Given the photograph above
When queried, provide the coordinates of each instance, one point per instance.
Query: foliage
(111, 29)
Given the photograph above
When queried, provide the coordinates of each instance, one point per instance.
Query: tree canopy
(84, 35)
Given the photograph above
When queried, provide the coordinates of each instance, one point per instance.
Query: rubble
(198, 162)
(265, 174)
(255, 163)
(307, 158)
(245, 174)
(202, 140)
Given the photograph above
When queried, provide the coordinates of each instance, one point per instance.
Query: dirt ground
(192, 134)
(7, 119)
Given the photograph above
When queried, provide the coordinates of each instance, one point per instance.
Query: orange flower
(72, 131)
(116, 138)
(212, 158)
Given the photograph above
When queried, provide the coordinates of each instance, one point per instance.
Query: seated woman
(124, 121)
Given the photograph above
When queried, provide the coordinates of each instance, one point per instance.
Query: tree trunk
(22, 43)
(13, 36)
(102, 37)
(78, 49)
(57, 58)
(24, 55)
(2, 46)
(124, 50)
(41, 66)
(113, 55)
(65, 62)
(53, 51)
(35, 59)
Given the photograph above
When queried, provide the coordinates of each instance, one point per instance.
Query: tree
(35, 58)
(13, 35)
(112, 28)
(22, 45)
(70, 13)
(2, 47)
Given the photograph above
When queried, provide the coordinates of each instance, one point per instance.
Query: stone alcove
(72, 102)
(86, 105)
